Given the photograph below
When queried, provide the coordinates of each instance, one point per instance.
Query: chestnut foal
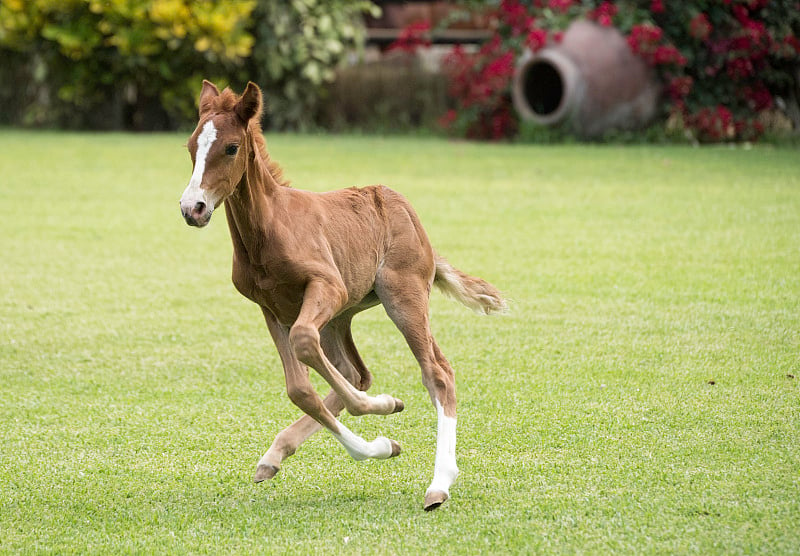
(311, 261)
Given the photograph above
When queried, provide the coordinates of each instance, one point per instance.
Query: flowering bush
(481, 84)
(721, 62)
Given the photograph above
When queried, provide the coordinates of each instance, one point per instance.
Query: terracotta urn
(591, 82)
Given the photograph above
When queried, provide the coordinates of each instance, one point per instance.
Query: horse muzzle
(196, 213)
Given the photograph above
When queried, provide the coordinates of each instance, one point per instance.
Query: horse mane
(225, 102)
(260, 148)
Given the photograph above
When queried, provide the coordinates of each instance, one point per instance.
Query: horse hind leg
(406, 303)
(337, 344)
(441, 386)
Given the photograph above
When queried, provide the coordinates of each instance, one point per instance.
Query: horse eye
(231, 150)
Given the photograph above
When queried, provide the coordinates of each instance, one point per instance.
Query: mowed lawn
(642, 396)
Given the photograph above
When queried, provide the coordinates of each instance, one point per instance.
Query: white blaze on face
(445, 469)
(193, 193)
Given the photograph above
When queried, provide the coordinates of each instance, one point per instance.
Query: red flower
(643, 38)
(758, 97)
(536, 40)
(742, 43)
(739, 68)
(700, 27)
(561, 6)
(680, 87)
(645, 41)
(604, 13)
(515, 15)
(724, 119)
(500, 67)
(412, 37)
(668, 54)
(748, 129)
(740, 13)
(657, 7)
(502, 124)
(757, 32)
(792, 42)
(713, 124)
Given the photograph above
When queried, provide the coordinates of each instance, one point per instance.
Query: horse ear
(249, 104)
(207, 94)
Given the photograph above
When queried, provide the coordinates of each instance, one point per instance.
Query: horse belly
(358, 271)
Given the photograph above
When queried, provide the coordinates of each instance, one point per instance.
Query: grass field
(643, 395)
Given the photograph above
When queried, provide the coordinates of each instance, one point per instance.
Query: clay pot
(591, 82)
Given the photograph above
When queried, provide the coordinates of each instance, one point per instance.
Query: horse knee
(305, 343)
(301, 395)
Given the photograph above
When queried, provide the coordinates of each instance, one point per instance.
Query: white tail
(477, 294)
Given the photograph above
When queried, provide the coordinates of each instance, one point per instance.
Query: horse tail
(477, 294)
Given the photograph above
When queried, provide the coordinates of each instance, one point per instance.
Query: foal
(311, 261)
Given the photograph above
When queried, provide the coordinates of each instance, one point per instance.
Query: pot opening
(543, 88)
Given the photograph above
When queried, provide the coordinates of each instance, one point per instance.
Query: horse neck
(250, 209)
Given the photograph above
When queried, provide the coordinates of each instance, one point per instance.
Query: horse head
(218, 149)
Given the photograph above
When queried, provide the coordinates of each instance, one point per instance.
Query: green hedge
(138, 64)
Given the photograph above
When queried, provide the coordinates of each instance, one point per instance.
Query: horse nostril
(199, 207)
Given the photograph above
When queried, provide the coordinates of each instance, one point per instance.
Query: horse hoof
(434, 499)
(395, 448)
(398, 406)
(264, 472)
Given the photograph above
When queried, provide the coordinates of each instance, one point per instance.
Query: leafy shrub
(722, 62)
(109, 60)
(139, 63)
(298, 45)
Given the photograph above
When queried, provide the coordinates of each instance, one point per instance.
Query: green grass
(139, 389)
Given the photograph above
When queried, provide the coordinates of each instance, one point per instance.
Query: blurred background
(541, 70)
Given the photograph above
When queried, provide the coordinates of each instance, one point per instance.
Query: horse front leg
(303, 395)
(290, 438)
(321, 301)
(337, 343)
